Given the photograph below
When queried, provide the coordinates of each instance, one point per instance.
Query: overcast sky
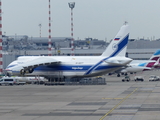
(99, 19)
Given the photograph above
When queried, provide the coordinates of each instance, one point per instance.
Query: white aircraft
(141, 65)
(111, 59)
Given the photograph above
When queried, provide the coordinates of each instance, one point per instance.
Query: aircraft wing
(39, 62)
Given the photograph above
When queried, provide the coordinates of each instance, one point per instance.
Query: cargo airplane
(111, 59)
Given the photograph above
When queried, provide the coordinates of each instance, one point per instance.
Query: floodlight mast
(40, 25)
(49, 37)
(1, 60)
(72, 5)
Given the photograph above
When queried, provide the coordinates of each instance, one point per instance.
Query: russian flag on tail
(116, 38)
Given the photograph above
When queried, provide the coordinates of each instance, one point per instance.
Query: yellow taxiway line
(113, 98)
(118, 104)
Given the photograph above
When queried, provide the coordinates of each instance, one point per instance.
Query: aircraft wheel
(22, 72)
(122, 73)
(118, 75)
(30, 70)
(9, 75)
(109, 73)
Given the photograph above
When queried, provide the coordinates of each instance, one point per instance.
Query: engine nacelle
(17, 70)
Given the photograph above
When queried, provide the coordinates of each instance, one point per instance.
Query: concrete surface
(115, 101)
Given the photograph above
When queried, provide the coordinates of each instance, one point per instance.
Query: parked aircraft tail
(156, 55)
(154, 61)
(118, 45)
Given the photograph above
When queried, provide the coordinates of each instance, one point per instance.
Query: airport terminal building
(14, 46)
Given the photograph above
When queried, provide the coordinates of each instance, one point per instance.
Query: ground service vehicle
(126, 78)
(154, 78)
(139, 78)
(10, 81)
(7, 81)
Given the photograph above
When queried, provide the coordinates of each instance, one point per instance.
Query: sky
(99, 19)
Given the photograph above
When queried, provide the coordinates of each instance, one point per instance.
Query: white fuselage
(71, 66)
(138, 66)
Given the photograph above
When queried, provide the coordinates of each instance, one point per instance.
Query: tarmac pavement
(115, 101)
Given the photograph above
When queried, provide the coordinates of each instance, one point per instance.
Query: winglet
(118, 45)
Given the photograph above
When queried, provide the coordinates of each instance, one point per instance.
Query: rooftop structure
(24, 45)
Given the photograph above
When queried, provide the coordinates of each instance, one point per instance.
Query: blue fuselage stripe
(70, 68)
(121, 45)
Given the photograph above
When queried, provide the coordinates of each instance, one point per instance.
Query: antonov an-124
(111, 60)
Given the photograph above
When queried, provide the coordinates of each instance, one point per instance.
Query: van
(7, 81)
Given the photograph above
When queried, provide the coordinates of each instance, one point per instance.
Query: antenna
(125, 22)
(72, 5)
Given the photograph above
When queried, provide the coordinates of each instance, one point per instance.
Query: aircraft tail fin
(118, 45)
(156, 55)
(154, 60)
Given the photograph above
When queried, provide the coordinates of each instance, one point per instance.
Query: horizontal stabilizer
(113, 62)
(118, 62)
(146, 68)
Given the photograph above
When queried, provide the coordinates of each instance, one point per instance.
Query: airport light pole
(1, 60)
(72, 5)
(40, 25)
